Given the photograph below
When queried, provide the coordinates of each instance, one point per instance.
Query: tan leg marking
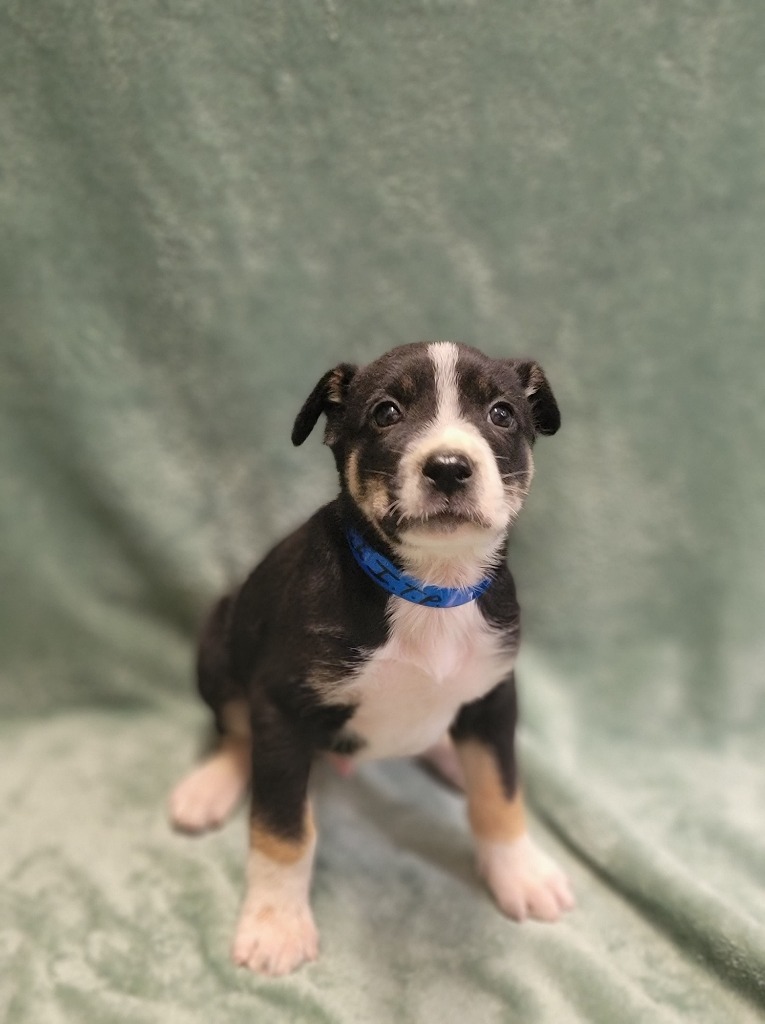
(236, 719)
(523, 880)
(276, 931)
(494, 816)
(283, 851)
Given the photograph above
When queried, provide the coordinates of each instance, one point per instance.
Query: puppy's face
(433, 440)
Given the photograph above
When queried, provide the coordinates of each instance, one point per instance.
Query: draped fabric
(203, 208)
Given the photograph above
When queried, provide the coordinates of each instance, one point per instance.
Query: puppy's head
(433, 440)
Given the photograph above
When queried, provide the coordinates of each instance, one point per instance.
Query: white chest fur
(434, 661)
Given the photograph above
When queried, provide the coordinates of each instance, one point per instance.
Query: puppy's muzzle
(448, 472)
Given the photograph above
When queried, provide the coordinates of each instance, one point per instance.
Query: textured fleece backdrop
(203, 207)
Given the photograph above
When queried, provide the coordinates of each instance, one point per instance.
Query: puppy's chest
(434, 661)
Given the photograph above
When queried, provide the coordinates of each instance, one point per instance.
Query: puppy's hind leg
(443, 761)
(206, 797)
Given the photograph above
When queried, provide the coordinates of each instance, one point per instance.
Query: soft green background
(203, 207)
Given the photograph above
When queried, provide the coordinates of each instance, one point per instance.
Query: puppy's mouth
(444, 517)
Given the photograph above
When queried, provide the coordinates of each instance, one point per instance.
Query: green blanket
(203, 207)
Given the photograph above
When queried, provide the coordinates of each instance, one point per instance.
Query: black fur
(545, 412)
(327, 397)
(305, 612)
(307, 617)
(492, 721)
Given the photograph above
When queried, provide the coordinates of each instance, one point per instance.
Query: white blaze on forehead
(444, 356)
(450, 430)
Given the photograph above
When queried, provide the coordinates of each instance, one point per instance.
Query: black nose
(448, 471)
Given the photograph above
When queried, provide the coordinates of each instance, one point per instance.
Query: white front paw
(524, 881)
(273, 939)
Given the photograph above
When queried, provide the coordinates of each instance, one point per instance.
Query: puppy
(385, 623)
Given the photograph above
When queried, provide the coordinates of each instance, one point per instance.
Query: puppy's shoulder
(304, 562)
(307, 597)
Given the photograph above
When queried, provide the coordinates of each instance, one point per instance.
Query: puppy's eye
(501, 414)
(385, 414)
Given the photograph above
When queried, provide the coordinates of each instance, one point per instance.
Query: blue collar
(386, 575)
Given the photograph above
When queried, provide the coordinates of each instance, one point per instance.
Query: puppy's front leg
(524, 881)
(276, 931)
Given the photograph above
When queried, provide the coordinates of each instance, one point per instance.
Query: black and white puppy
(384, 624)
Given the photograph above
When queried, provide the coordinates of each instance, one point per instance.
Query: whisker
(391, 509)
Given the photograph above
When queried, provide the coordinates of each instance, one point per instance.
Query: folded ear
(327, 397)
(544, 408)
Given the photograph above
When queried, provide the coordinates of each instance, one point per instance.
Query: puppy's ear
(544, 408)
(327, 397)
